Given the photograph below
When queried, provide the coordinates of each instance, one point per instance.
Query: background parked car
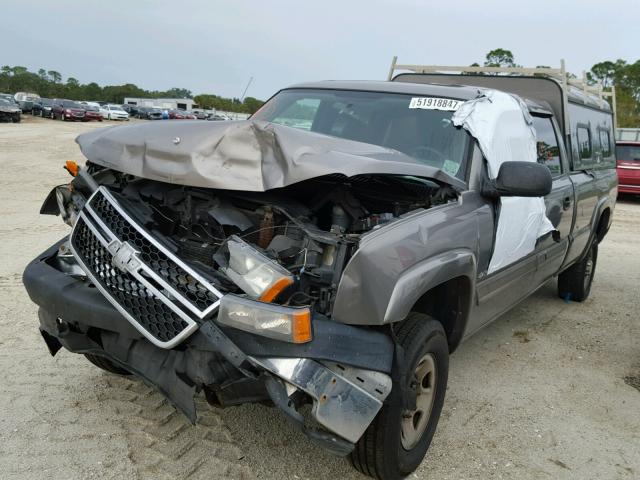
(132, 110)
(113, 112)
(26, 105)
(9, 97)
(26, 100)
(42, 108)
(93, 104)
(91, 112)
(9, 111)
(177, 114)
(628, 167)
(200, 115)
(218, 117)
(149, 113)
(67, 110)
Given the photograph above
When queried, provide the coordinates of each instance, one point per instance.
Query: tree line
(625, 76)
(50, 84)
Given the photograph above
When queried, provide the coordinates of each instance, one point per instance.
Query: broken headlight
(256, 274)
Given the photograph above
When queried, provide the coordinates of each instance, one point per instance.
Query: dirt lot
(550, 390)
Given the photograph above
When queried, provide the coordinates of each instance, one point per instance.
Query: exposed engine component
(287, 246)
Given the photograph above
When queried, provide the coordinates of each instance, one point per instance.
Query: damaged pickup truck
(325, 256)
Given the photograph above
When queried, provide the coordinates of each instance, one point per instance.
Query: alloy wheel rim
(414, 423)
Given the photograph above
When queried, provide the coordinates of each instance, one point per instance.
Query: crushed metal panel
(247, 155)
(504, 129)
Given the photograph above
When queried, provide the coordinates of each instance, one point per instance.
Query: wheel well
(448, 303)
(603, 225)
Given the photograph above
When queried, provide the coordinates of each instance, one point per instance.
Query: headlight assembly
(288, 324)
(257, 275)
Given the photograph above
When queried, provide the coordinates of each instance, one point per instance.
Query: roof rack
(558, 74)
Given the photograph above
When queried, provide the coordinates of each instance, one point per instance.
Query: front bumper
(345, 370)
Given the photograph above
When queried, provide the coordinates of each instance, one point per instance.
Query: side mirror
(519, 179)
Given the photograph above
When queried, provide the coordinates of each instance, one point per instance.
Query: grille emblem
(125, 257)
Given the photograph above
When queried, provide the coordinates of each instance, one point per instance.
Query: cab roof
(459, 92)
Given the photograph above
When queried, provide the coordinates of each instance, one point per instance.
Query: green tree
(626, 78)
(178, 93)
(500, 58)
(55, 76)
(18, 70)
(251, 104)
(49, 84)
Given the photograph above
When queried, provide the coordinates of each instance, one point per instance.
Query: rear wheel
(575, 282)
(105, 364)
(396, 442)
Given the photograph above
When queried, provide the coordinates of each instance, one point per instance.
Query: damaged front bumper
(344, 370)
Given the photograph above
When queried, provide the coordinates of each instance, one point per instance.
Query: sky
(217, 46)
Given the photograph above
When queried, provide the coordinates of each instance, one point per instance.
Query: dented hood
(247, 155)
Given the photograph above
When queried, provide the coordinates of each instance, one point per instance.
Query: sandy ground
(547, 391)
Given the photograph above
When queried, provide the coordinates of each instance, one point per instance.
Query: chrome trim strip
(339, 405)
(628, 167)
(191, 325)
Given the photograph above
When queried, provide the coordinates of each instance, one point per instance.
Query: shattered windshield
(420, 127)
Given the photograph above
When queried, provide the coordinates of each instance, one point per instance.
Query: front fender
(424, 276)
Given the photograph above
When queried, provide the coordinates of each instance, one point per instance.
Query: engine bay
(307, 230)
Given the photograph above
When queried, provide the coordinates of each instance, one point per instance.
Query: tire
(396, 442)
(16, 119)
(105, 364)
(575, 282)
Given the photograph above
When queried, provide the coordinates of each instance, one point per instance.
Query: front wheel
(396, 442)
(575, 282)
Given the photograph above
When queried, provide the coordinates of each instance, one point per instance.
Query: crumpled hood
(246, 155)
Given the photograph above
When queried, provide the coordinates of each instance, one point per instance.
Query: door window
(547, 144)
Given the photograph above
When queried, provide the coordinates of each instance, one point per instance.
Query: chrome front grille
(158, 293)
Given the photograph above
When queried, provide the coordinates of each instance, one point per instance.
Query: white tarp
(504, 129)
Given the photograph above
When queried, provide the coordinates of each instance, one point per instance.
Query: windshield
(4, 101)
(387, 119)
(628, 153)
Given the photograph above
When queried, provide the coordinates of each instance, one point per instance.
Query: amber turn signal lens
(71, 167)
(301, 328)
(275, 289)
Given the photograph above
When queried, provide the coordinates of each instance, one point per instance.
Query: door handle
(566, 203)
